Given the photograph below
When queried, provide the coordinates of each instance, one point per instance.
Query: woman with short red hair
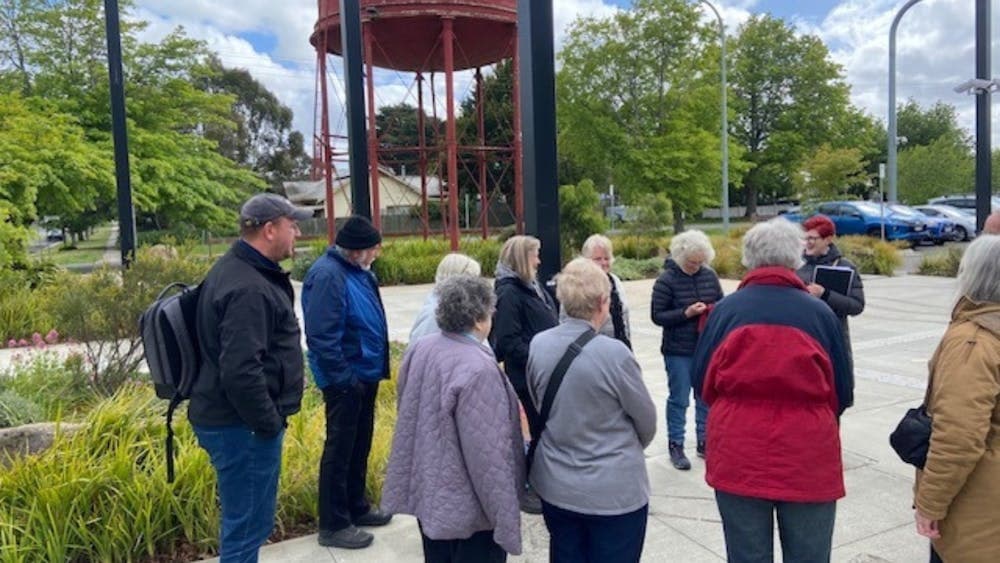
(820, 250)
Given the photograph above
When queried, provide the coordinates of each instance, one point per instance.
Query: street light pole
(725, 120)
(893, 138)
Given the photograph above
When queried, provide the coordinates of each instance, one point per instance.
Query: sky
(935, 46)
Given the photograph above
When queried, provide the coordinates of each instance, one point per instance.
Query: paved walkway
(893, 340)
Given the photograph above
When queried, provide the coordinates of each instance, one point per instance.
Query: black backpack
(170, 343)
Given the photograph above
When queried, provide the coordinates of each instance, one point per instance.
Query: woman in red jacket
(772, 366)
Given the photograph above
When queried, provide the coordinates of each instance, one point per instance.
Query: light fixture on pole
(725, 120)
(893, 138)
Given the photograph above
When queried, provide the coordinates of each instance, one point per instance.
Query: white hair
(777, 242)
(689, 243)
(456, 264)
(979, 271)
(594, 242)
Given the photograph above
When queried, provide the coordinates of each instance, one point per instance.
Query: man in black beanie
(348, 342)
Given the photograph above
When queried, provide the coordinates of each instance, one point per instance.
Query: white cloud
(935, 50)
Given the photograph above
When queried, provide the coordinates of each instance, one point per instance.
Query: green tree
(828, 173)
(922, 127)
(262, 139)
(399, 127)
(789, 98)
(940, 168)
(579, 215)
(638, 104)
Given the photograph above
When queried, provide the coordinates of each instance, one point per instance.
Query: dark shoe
(677, 457)
(346, 538)
(531, 503)
(701, 449)
(374, 517)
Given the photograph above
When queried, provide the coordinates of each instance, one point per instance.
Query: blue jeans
(805, 529)
(679, 383)
(247, 468)
(588, 538)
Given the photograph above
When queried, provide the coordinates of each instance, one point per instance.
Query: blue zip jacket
(346, 331)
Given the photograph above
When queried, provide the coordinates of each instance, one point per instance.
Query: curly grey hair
(979, 271)
(463, 301)
(777, 242)
(689, 243)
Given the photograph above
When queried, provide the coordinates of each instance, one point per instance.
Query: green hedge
(410, 261)
(102, 494)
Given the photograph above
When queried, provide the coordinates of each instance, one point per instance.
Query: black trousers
(477, 548)
(350, 423)
(587, 538)
(935, 558)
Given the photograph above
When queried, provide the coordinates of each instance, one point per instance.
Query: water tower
(422, 40)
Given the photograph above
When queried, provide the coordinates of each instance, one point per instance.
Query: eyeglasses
(814, 239)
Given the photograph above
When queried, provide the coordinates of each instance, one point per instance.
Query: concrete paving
(893, 340)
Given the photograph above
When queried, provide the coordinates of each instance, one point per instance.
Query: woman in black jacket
(524, 309)
(822, 251)
(683, 293)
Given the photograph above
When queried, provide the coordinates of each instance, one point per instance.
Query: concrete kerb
(893, 340)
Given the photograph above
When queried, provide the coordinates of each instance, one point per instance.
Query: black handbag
(912, 437)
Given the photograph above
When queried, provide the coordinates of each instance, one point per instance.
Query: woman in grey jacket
(457, 462)
(589, 467)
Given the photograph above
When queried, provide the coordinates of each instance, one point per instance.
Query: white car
(965, 224)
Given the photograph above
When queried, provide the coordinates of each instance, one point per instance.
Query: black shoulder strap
(554, 382)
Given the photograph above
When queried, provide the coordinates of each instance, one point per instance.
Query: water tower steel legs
(369, 41)
(481, 155)
(518, 145)
(351, 47)
(451, 137)
(422, 145)
(331, 218)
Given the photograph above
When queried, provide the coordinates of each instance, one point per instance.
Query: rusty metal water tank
(408, 32)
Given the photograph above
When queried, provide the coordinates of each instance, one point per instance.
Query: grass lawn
(86, 251)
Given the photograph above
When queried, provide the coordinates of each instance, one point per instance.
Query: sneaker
(531, 503)
(346, 538)
(373, 517)
(701, 449)
(677, 457)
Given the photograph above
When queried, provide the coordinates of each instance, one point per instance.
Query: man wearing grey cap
(251, 371)
(348, 355)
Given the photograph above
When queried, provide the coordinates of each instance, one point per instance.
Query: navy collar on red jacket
(773, 275)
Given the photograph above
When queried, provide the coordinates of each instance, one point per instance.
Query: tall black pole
(126, 215)
(536, 47)
(984, 187)
(350, 36)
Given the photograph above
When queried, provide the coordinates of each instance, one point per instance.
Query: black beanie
(357, 233)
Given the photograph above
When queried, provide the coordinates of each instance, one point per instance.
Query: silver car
(965, 224)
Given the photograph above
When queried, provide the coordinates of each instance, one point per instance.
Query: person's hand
(695, 309)
(815, 289)
(925, 526)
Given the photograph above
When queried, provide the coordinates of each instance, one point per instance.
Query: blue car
(939, 229)
(867, 218)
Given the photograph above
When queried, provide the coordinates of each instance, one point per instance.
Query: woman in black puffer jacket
(683, 293)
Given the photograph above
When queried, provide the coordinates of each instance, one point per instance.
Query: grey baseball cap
(265, 207)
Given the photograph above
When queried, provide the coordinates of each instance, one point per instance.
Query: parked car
(54, 234)
(939, 229)
(963, 202)
(965, 224)
(867, 218)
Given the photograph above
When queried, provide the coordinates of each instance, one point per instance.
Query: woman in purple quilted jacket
(457, 460)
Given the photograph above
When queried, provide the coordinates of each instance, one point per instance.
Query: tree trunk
(750, 191)
(678, 220)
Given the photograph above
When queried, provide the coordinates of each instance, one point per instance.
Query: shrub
(58, 386)
(579, 215)
(630, 269)
(101, 310)
(639, 247)
(16, 410)
(943, 264)
(870, 255)
(113, 474)
(728, 256)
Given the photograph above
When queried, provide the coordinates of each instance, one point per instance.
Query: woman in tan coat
(958, 492)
